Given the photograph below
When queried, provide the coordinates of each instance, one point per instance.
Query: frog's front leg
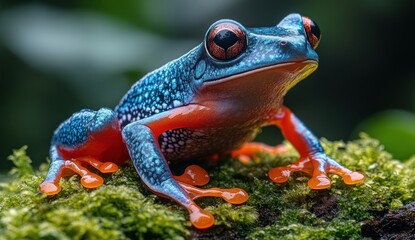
(153, 169)
(313, 160)
(60, 167)
(87, 138)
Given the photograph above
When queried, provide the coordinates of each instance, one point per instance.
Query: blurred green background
(58, 57)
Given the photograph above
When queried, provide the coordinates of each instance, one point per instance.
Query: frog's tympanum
(210, 101)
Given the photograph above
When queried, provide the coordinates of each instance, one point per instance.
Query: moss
(117, 210)
(123, 209)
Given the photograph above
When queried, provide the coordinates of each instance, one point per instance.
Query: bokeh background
(58, 57)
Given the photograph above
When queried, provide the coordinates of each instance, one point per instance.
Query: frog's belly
(182, 144)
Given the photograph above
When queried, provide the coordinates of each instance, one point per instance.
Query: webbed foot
(60, 168)
(317, 166)
(197, 176)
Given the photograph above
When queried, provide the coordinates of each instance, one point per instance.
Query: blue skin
(197, 106)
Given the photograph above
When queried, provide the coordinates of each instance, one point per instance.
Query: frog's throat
(284, 75)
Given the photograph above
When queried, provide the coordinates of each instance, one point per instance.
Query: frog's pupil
(225, 39)
(315, 29)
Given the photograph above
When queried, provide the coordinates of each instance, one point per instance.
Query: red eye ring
(313, 32)
(225, 41)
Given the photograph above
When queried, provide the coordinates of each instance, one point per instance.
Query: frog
(209, 102)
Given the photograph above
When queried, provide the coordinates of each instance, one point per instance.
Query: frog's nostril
(312, 31)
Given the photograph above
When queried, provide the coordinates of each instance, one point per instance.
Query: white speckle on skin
(177, 103)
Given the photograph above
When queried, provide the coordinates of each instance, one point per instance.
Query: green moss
(123, 209)
(117, 210)
(22, 163)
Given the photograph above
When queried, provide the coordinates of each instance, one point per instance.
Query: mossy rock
(124, 209)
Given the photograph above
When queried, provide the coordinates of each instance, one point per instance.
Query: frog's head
(247, 62)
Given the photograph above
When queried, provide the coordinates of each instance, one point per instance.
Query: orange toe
(234, 195)
(244, 159)
(279, 174)
(108, 167)
(91, 181)
(50, 188)
(202, 219)
(319, 182)
(353, 178)
(194, 175)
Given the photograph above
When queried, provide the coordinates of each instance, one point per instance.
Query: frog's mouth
(270, 81)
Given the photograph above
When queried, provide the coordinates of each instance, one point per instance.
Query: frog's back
(158, 91)
(165, 88)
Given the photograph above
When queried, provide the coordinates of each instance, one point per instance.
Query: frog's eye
(225, 41)
(312, 31)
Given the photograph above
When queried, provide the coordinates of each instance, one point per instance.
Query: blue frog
(210, 101)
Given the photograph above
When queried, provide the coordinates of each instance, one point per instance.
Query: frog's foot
(197, 176)
(60, 168)
(247, 152)
(316, 165)
(200, 218)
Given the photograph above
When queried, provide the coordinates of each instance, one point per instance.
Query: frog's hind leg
(247, 151)
(313, 160)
